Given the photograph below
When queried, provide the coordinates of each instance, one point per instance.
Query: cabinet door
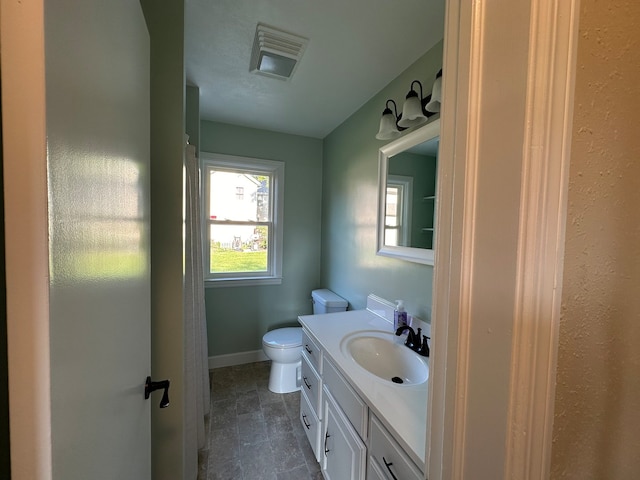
(344, 452)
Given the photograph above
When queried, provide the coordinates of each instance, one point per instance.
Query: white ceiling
(356, 47)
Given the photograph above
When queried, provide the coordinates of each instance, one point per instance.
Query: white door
(75, 82)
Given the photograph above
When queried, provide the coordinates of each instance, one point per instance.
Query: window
(242, 208)
(397, 224)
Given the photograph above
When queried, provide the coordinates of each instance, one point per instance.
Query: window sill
(242, 282)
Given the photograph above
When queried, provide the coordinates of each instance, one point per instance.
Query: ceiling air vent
(276, 53)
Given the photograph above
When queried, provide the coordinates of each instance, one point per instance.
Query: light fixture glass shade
(388, 128)
(412, 114)
(436, 95)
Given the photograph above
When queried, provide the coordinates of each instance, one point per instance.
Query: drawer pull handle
(388, 465)
(306, 347)
(326, 450)
(307, 383)
(304, 420)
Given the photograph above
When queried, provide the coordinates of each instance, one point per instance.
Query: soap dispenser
(399, 315)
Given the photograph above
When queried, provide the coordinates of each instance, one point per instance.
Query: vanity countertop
(402, 408)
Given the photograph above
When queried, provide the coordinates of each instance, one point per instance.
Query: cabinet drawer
(374, 472)
(388, 455)
(314, 354)
(350, 402)
(311, 384)
(310, 424)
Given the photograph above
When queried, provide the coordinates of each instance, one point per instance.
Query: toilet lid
(283, 337)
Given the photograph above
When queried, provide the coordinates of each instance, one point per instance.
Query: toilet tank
(325, 301)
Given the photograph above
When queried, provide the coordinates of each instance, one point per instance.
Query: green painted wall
(238, 317)
(350, 266)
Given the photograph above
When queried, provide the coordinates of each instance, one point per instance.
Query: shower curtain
(197, 394)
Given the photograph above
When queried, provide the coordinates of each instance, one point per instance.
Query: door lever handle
(150, 386)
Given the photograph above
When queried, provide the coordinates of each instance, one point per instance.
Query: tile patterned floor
(254, 434)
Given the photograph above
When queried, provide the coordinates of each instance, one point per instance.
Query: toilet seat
(283, 338)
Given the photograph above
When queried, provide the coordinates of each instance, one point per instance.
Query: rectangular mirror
(407, 195)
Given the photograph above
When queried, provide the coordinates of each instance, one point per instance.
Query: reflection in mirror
(407, 191)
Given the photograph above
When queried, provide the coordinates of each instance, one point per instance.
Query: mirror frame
(422, 134)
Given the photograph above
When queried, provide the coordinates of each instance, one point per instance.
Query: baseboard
(239, 358)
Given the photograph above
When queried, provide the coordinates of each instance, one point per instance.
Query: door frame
(460, 336)
(27, 269)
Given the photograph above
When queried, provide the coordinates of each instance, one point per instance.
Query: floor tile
(295, 474)
(247, 402)
(223, 414)
(286, 452)
(252, 428)
(254, 434)
(257, 461)
(224, 446)
(225, 471)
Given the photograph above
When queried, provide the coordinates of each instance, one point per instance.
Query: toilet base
(285, 377)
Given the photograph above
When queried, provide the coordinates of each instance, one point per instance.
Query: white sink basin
(385, 356)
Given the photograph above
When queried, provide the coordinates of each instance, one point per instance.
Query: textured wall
(597, 409)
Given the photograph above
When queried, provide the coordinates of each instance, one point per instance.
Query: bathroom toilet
(283, 346)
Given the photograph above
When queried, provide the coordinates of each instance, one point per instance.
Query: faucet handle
(424, 349)
(417, 340)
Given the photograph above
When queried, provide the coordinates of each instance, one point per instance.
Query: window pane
(238, 248)
(240, 196)
(391, 237)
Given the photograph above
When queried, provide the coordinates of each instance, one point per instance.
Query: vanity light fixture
(276, 53)
(413, 111)
(389, 125)
(436, 94)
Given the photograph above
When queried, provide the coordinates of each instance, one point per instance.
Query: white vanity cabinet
(386, 458)
(344, 428)
(350, 402)
(345, 454)
(311, 350)
(311, 393)
(349, 441)
(311, 384)
(311, 424)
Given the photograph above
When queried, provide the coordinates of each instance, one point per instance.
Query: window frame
(404, 185)
(274, 168)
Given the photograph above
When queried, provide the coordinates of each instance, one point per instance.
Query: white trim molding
(502, 185)
(444, 358)
(26, 229)
(239, 358)
(552, 55)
